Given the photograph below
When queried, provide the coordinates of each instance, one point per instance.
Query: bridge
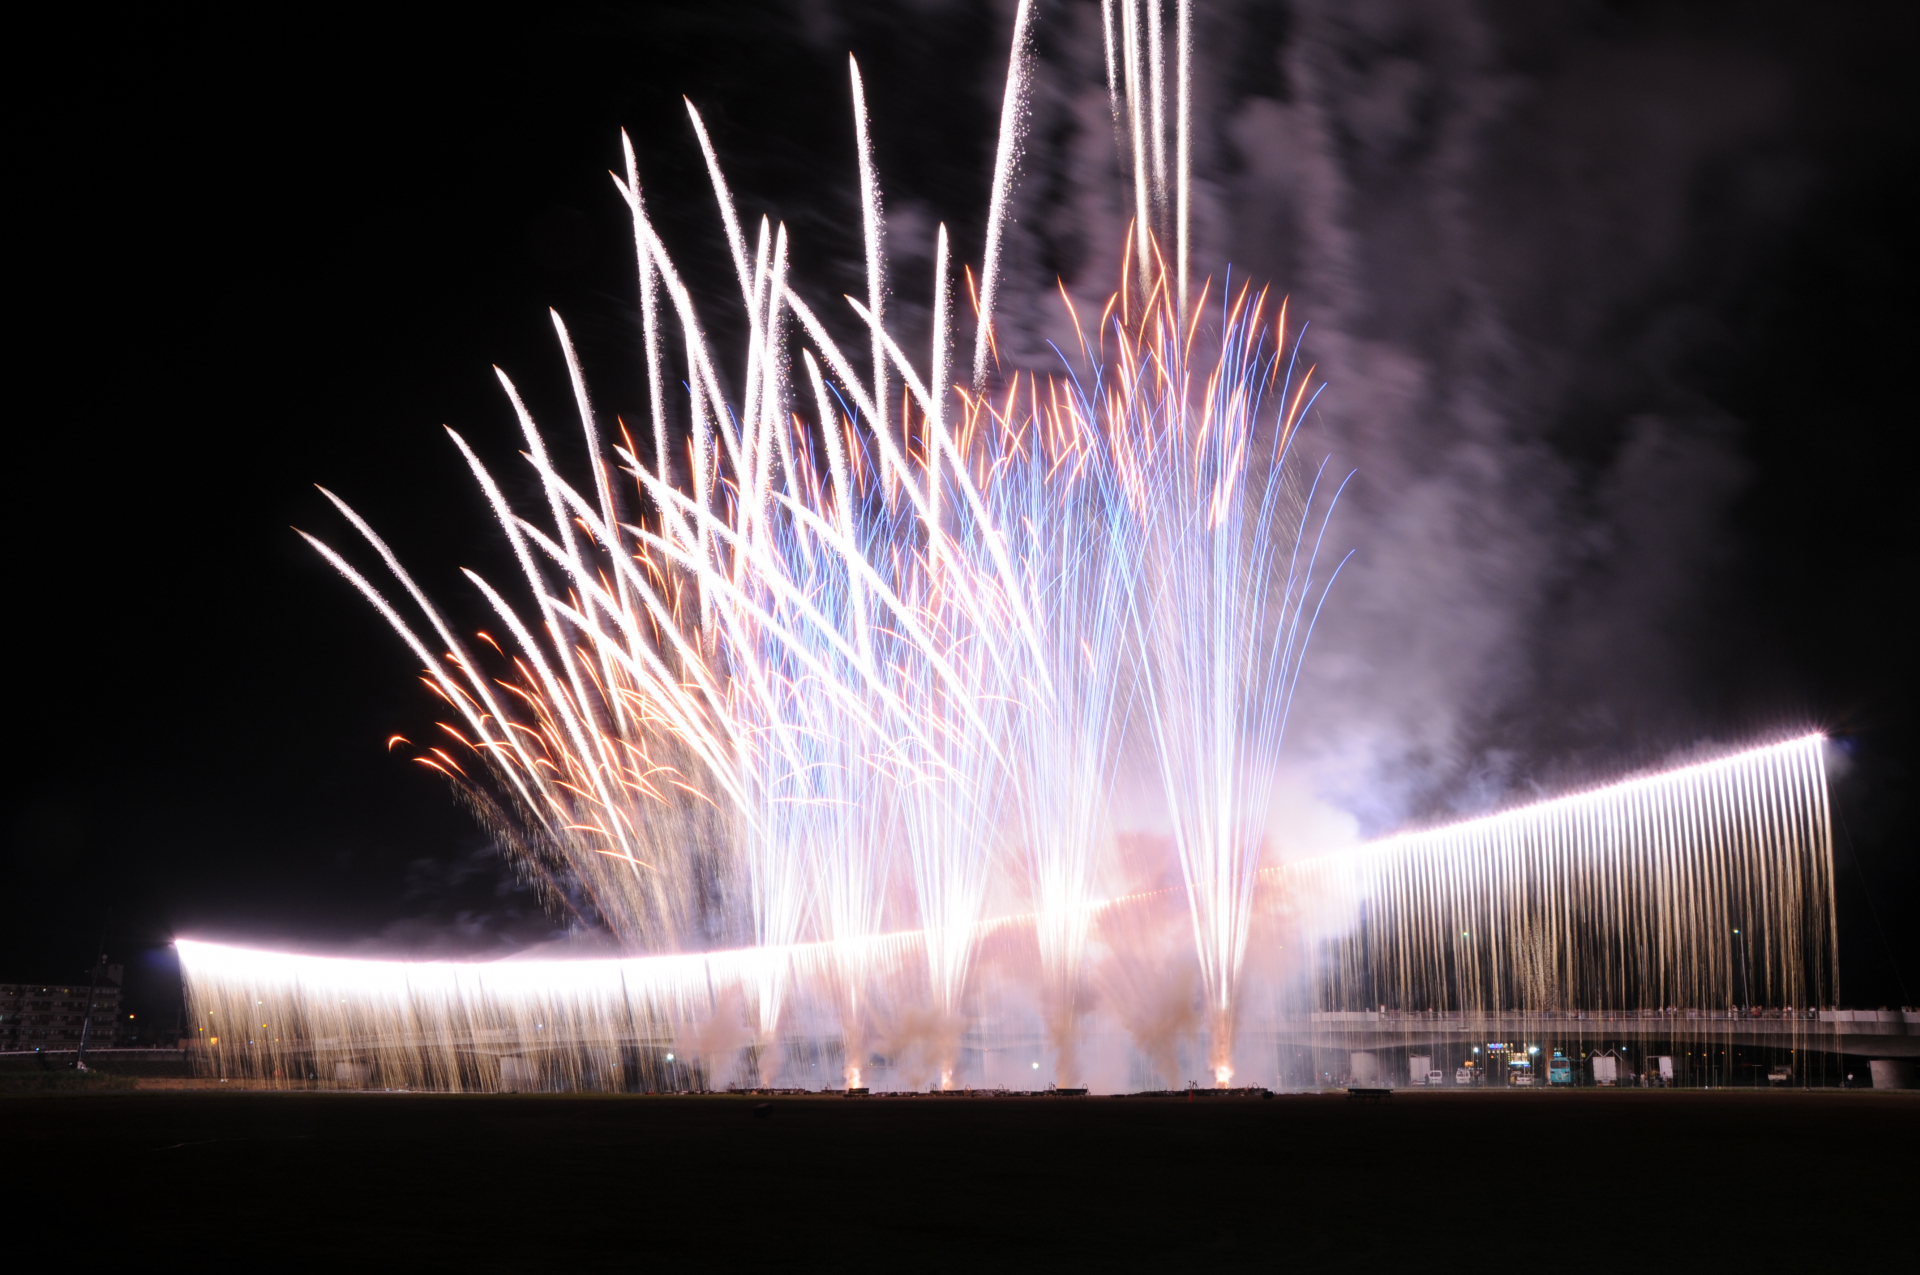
(1883, 1033)
(1891, 1034)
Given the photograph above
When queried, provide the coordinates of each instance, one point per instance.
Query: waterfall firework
(1686, 898)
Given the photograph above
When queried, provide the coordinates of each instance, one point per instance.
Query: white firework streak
(1225, 608)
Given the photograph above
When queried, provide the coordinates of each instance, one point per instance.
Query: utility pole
(1745, 995)
(93, 984)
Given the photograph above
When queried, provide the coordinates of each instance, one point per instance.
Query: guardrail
(1906, 1017)
(1880, 1032)
(1883, 1032)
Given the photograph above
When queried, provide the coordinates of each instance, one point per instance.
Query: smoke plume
(1513, 230)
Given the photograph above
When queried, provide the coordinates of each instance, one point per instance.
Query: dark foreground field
(1544, 1181)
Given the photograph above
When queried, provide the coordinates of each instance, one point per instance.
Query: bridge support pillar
(1892, 1073)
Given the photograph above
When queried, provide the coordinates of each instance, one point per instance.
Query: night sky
(1652, 272)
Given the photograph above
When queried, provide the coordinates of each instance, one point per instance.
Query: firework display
(814, 695)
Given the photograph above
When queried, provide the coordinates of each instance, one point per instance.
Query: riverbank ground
(1818, 1180)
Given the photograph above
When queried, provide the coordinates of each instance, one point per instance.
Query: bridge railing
(1333, 1017)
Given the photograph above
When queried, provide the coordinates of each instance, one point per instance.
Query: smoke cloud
(1512, 230)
